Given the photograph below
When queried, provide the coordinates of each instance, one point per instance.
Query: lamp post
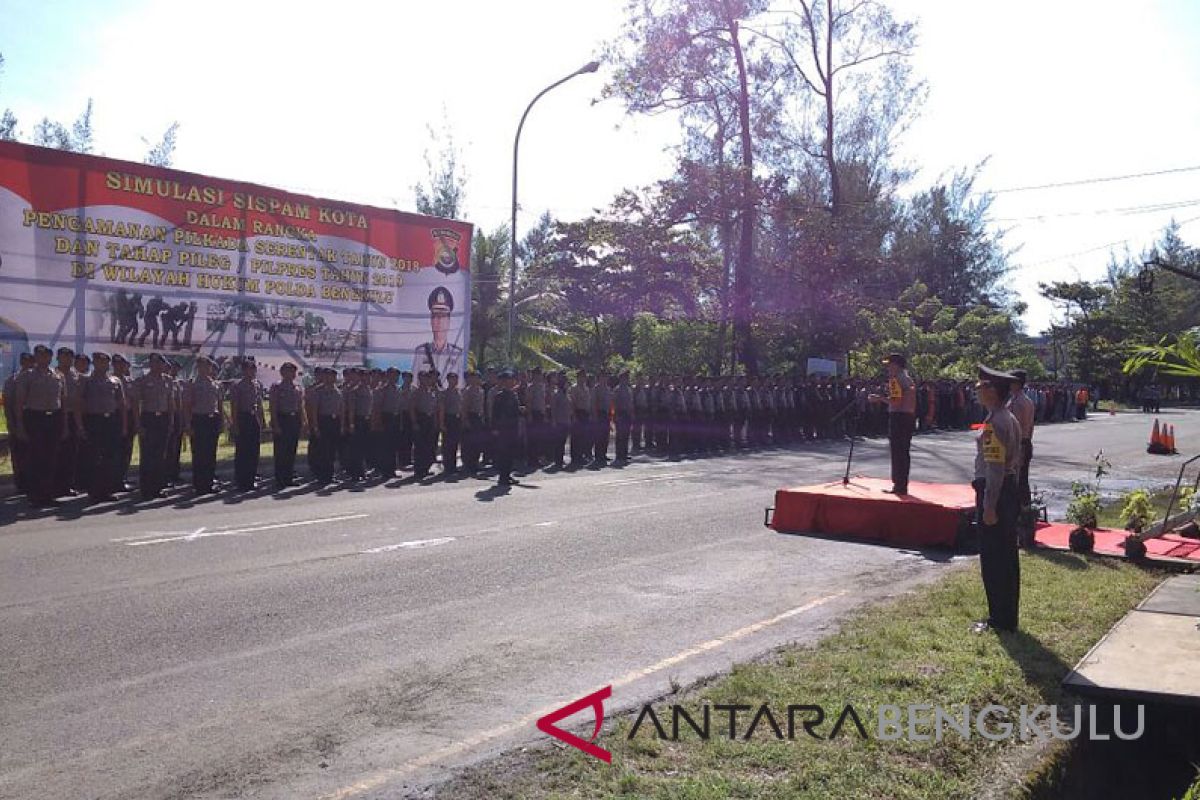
(591, 66)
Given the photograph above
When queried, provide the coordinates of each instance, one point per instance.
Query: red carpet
(1110, 542)
(928, 515)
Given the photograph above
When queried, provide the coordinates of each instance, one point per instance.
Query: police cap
(896, 358)
(440, 300)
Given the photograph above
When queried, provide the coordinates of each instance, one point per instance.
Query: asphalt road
(360, 643)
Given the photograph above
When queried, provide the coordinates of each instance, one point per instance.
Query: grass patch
(1110, 513)
(917, 649)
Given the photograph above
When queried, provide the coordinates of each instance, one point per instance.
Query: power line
(1085, 181)
(1091, 249)
(1128, 210)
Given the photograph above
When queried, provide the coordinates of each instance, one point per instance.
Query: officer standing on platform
(41, 425)
(16, 447)
(449, 411)
(287, 421)
(1023, 409)
(902, 419)
(998, 459)
(202, 419)
(506, 420)
(325, 424)
(247, 423)
(156, 405)
(100, 419)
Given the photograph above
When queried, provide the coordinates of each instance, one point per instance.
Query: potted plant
(1084, 510)
(1136, 512)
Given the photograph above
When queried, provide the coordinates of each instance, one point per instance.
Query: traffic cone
(1171, 440)
(1157, 444)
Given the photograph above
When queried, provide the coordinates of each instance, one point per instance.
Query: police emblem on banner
(445, 248)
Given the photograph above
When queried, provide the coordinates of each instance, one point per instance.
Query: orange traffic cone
(1171, 440)
(1158, 445)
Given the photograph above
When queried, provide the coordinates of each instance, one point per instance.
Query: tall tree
(444, 191)
(691, 56)
(8, 120)
(163, 153)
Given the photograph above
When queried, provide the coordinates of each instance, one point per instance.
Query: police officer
(175, 435)
(538, 398)
(156, 405)
(902, 419)
(560, 418)
(100, 419)
(120, 366)
(1023, 409)
(581, 414)
(17, 447)
(65, 462)
(404, 454)
(998, 458)
(449, 412)
(424, 419)
(473, 403)
(325, 423)
(247, 422)
(601, 413)
(41, 425)
(623, 408)
(387, 423)
(287, 422)
(358, 400)
(506, 420)
(202, 420)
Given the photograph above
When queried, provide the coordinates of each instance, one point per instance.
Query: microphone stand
(850, 435)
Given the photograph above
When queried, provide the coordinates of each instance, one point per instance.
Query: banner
(99, 254)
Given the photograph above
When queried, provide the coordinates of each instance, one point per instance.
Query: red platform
(929, 515)
(1110, 542)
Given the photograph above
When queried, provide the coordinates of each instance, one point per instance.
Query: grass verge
(914, 650)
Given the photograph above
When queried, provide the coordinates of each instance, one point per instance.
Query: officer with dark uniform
(359, 399)
(100, 418)
(120, 366)
(473, 404)
(287, 421)
(246, 423)
(424, 417)
(506, 420)
(387, 402)
(17, 447)
(623, 408)
(404, 454)
(449, 412)
(202, 420)
(156, 405)
(902, 419)
(581, 414)
(601, 413)
(560, 418)
(42, 425)
(998, 457)
(325, 423)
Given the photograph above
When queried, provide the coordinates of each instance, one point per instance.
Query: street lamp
(591, 66)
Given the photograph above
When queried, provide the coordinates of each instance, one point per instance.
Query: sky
(336, 100)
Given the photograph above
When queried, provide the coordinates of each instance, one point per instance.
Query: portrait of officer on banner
(445, 246)
(440, 354)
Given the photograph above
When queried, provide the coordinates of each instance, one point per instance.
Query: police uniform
(156, 399)
(506, 420)
(203, 401)
(66, 459)
(902, 421)
(245, 398)
(175, 433)
(387, 413)
(407, 435)
(601, 411)
(41, 399)
(429, 356)
(997, 462)
(101, 410)
(424, 411)
(623, 407)
(537, 433)
(17, 448)
(560, 418)
(581, 409)
(325, 425)
(1023, 409)
(287, 403)
(474, 426)
(450, 418)
(358, 425)
(121, 370)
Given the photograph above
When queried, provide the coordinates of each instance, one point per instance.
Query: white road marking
(417, 543)
(454, 748)
(648, 478)
(203, 533)
(546, 524)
